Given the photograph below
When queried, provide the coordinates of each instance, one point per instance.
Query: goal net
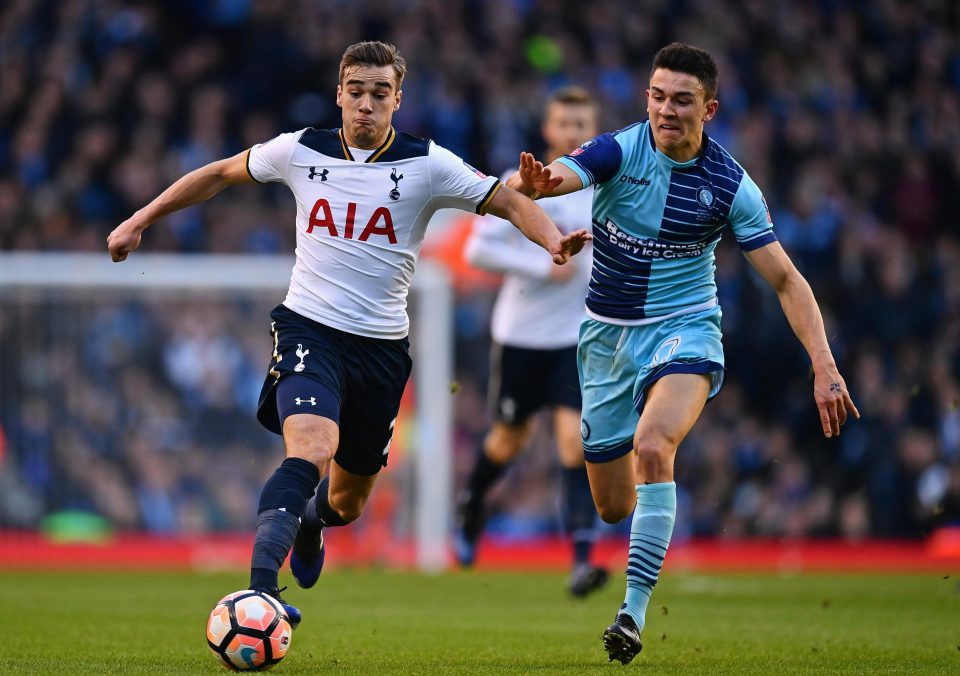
(128, 392)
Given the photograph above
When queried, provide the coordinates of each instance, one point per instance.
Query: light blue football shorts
(617, 364)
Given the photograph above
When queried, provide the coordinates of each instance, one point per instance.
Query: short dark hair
(684, 58)
(373, 54)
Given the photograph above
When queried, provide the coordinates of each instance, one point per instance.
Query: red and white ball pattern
(248, 631)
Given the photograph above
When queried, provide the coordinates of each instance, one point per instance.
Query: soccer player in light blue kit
(650, 355)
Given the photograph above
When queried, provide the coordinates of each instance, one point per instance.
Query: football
(248, 631)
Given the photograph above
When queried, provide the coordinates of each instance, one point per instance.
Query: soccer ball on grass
(248, 631)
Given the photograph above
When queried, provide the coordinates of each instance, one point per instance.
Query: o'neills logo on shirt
(379, 223)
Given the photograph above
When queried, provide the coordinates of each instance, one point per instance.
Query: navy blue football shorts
(353, 380)
(524, 380)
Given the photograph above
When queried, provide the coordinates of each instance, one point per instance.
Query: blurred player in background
(364, 194)
(650, 355)
(533, 363)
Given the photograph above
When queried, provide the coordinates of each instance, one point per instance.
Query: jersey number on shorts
(322, 217)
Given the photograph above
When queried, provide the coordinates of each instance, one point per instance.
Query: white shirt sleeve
(455, 184)
(270, 161)
(496, 245)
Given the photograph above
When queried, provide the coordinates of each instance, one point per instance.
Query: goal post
(81, 277)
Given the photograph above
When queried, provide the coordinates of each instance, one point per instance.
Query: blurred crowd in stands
(140, 411)
(846, 113)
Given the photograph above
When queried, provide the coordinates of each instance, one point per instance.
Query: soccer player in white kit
(533, 365)
(364, 195)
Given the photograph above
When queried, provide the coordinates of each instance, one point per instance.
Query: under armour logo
(395, 193)
(301, 353)
(321, 174)
(312, 401)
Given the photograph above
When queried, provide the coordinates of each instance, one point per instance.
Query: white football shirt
(360, 224)
(531, 310)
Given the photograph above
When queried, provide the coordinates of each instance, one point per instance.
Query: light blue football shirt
(656, 224)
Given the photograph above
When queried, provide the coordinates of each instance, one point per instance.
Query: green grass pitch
(373, 622)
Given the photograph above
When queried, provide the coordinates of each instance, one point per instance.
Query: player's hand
(124, 239)
(833, 401)
(536, 179)
(569, 246)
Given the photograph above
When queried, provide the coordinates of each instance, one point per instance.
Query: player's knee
(312, 438)
(347, 505)
(319, 456)
(654, 459)
(317, 453)
(499, 454)
(614, 503)
(614, 509)
(570, 451)
(503, 444)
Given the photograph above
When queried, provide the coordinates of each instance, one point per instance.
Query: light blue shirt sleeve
(750, 218)
(584, 177)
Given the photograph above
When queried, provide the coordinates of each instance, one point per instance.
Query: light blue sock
(649, 538)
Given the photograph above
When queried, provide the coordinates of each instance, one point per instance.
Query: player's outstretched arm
(197, 186)
(800, 307)
(535, 180)
(533, 222)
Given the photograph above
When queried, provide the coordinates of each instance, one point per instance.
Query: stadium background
(847, 114)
